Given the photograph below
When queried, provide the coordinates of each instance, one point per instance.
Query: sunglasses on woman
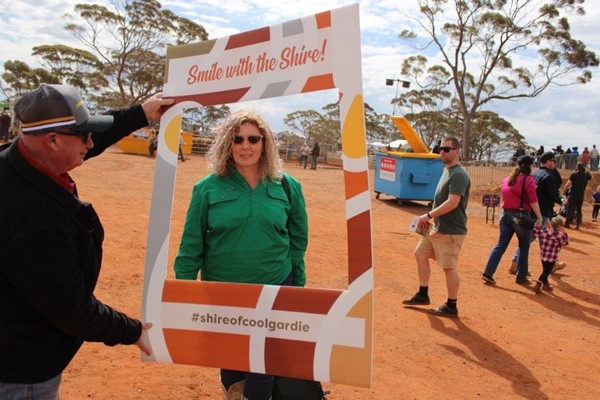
(253, 139)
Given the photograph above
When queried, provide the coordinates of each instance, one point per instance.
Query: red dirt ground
(508, 343)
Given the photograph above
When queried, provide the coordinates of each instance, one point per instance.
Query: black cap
(547, 156)
(52, 107)
(525, 160)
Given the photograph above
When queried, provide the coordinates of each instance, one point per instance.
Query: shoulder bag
(525, 219)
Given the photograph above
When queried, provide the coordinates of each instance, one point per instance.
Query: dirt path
(508, 343)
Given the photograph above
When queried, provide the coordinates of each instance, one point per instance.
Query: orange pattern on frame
(323, 19)
(214, 293)
(319, 82)
(289, 357)
(359, 245)
(355, 183)
(315, 301)
(221, 350)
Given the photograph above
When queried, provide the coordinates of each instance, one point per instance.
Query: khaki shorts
(444, 249)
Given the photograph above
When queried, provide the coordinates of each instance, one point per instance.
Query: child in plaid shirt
(551, 242)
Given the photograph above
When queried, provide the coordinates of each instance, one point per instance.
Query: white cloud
(566, 115)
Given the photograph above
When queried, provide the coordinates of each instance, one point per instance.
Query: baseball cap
(547, 156)
(52, 107)
(525, 160)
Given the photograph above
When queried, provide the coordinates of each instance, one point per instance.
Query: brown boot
(547, 287)
(235, 392)
(538, 287)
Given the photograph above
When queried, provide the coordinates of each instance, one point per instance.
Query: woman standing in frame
(246, 223)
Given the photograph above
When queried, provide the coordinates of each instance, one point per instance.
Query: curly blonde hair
(220, 156)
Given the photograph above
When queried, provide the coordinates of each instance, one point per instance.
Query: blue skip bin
(407, 176)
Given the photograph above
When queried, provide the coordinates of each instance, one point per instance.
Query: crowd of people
(565, 159)
(539, 197)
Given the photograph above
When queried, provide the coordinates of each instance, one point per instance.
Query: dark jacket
(316, 150)
(547, 191)
(50, 259)
(579, 181)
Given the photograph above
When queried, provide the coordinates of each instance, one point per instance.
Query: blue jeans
(47, 390)
(515, 258)
(508, 228)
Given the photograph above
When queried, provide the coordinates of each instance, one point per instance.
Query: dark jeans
(256, 386)
(508, 228)
(574, 211)
(313, 162)
(595, 211)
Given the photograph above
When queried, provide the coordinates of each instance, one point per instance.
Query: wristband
(429, 215)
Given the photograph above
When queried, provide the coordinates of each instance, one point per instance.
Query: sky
(561, 115)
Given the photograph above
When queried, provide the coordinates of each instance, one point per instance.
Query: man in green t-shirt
(444, 241)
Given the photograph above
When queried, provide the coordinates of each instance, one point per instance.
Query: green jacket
(235, 234)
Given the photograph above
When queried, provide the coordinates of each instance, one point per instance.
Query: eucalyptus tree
(493, 50)
(129, 39)
(20, 78)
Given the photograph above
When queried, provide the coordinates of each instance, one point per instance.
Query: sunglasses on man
(85, 136)
(446, 149)
(253, 139)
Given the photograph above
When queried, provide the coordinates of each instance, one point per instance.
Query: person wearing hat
(51, 241)
(575, 187)
(548, 181)
(519, 197)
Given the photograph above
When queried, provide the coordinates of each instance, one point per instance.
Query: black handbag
(525, 219)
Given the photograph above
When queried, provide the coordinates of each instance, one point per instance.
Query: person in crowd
(153, 143)
(246, 223)
(573, 158)
(576, 188)
(538, 154)
(594, 158)
(315, 153)
(304, 152)
(559, 154)
(596, 204)
(585, 156)
(446, 238)
(548, 182)
(518, 153)
(551, 241)
(51, 241)
(180, 154)
(436, 148)
(519, 198)
(5, 122)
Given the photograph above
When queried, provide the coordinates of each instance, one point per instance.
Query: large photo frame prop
(318, 334)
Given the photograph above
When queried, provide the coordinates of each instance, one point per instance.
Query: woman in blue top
(246, 223)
